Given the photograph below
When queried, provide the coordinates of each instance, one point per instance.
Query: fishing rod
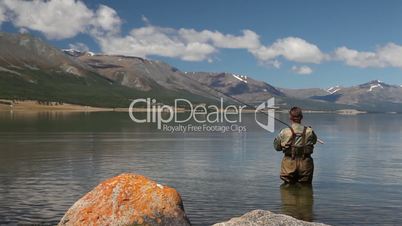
(252, 107)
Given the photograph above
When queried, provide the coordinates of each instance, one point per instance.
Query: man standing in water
(297, 143)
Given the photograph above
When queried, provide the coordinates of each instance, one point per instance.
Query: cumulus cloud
(302, 70)
(67, 18)
(58, 19)
(389, 55)
(291, 48)
(248, 40)
(106, 20)
(152, 40)
(186, 44)
(193, 45)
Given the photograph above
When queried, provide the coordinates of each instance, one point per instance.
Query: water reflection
(297, 201)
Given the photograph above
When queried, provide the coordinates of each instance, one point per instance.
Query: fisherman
(297, 143)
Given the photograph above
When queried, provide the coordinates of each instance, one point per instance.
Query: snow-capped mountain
(370, 95)
(77, 53)
(241, 87)
(242, 78)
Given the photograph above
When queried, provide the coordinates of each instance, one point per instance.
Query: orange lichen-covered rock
(128, 199)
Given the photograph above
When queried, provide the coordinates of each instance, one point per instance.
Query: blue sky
(300, 43)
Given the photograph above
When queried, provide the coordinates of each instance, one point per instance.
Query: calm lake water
(49, 160)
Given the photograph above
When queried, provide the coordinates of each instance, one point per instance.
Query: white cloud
(151, 40)
(270, 63)
(248, 40)
(56, 19)
(185, 44)
(192, 45)
(302, 70)
(106, 20)
(59, 19)
(389, 55)
(79, 46)
(291, 48)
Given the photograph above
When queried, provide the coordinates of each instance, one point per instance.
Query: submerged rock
(266, 218)
(128, 199)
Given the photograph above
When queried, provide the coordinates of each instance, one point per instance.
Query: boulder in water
(266, 218)
(128, 199)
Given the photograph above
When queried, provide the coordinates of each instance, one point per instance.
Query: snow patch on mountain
(70, 69)
(71, 51)
(31, 67)
(240, 77)
(76, 53)
(373, 86)
(9, 71)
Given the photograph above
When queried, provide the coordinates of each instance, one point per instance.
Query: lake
(49, 160)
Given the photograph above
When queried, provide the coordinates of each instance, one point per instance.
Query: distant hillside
(241, 87)
(304, 93)
(373, 96)
(31, 69)
(255, 92)
(146, 75)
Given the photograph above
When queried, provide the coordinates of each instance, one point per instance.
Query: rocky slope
(145, 75)
(30, 69)
(25, 52)
(306, 93)
(241, 87)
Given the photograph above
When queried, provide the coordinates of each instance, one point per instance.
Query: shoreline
(36, 106)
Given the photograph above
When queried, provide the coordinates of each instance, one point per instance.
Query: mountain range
(31, 69)
(373, 96)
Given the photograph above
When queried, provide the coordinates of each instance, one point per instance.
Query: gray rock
(266, 218)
